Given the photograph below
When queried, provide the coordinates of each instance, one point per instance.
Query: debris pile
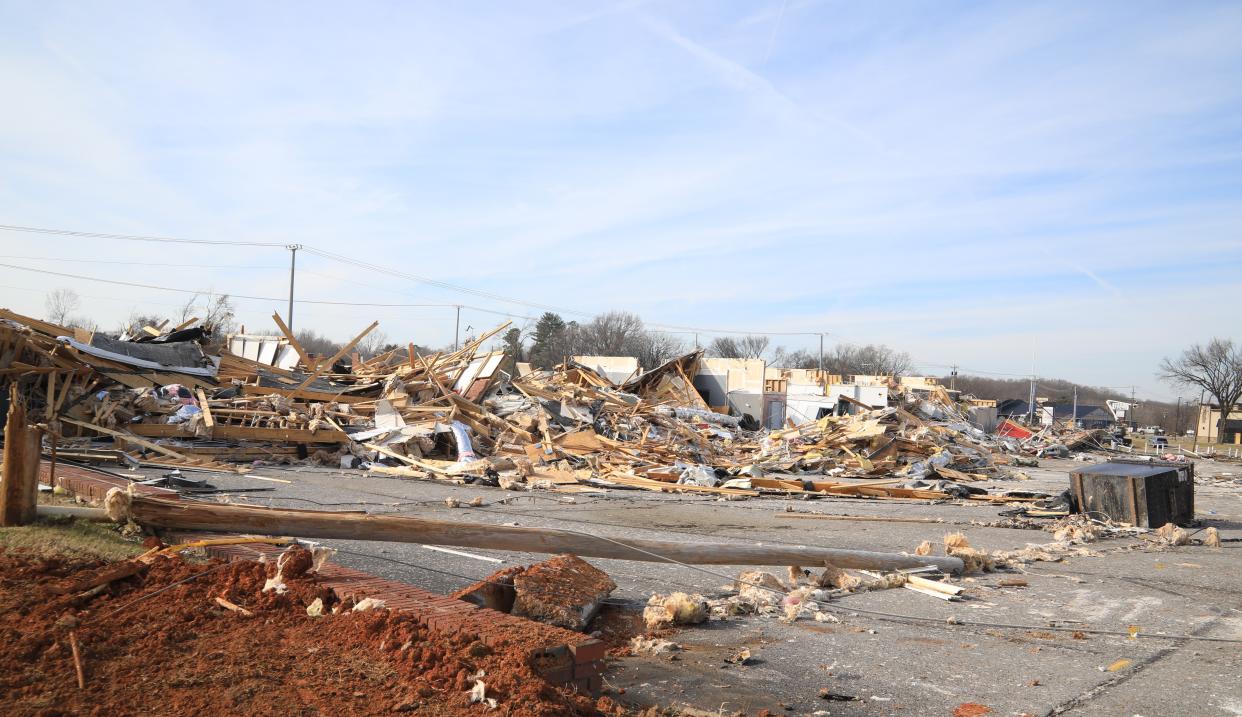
(158, 399)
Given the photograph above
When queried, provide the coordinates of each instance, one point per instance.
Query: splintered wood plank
(284, 329)
(208, 420)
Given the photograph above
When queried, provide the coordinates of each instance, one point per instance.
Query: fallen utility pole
(219, 517)
(19, 487)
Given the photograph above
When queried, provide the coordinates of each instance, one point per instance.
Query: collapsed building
(695, 424)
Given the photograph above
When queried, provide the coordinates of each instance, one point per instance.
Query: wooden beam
(208, 420)
(227, 432)
(284, 329)
(344, 350)
(128, 437)
(252, 390)
(131, 438)
(19, 485)
(184, 324)
(220, 517)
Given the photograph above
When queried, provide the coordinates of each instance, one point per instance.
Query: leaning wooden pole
(19, 487)
(189, 515)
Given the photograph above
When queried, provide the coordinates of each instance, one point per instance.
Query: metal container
(1143, 494)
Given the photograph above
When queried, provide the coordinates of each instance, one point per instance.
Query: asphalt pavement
(911, 661)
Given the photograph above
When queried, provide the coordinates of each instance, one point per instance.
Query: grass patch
(70, 537)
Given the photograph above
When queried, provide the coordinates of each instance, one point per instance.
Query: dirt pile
(178, 652)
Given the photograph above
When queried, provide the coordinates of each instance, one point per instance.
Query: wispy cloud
(953, 179)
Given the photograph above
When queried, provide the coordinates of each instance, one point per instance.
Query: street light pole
(293, 260)
(457, 328)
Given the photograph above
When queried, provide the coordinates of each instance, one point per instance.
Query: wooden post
(190, 515)
(51, 469)
(19, 488)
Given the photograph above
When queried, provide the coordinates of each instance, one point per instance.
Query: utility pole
(953, 378)
(293, 261)
(696, 341)
(1030, 404)
(1198, 418)
(1177, 420)
(1074, 415)
(1133, 410)
(821, 353)
(457, 328)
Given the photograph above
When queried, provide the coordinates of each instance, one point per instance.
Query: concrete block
(565, 591)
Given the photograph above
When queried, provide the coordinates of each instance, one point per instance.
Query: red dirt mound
(179, 653)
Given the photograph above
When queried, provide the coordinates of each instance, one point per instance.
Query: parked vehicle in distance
(1159, 442)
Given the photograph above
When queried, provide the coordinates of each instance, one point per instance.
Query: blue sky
(975, 183)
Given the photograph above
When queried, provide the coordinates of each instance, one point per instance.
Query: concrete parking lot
(911, 660)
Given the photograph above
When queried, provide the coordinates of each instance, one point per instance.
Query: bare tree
(373, 344)
(218, 316)
(753, 345)
(799, 358)
(60, 303)
(616, 333)
(1215, 368)
(215, 312)
(133, 325)
(750, 346)
(188, 309)
(656, 347)
(315, 343)
(724, 347)
(873, 360)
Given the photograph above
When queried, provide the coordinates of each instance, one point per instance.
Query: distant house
(1012, 408)
(1087, 416)
(1047, 412)
(1209, 424)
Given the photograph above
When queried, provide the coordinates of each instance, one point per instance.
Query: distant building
(919, 383)
(617, 369)
(1209, 420)
(733, 386)
(1046, 413)
(1086, 416)
(1013, 408)
(803, 395)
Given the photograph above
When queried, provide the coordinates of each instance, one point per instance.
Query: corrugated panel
(288, 358)
(267, 351)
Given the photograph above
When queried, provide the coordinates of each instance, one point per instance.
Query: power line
(396, 273)
(133, 237)
(659, 327)
(236, 296)
(322, 302)
(441, 284)
(139, 263)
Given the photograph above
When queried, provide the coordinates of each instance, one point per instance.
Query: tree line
(619, 333)
(1214, 368)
